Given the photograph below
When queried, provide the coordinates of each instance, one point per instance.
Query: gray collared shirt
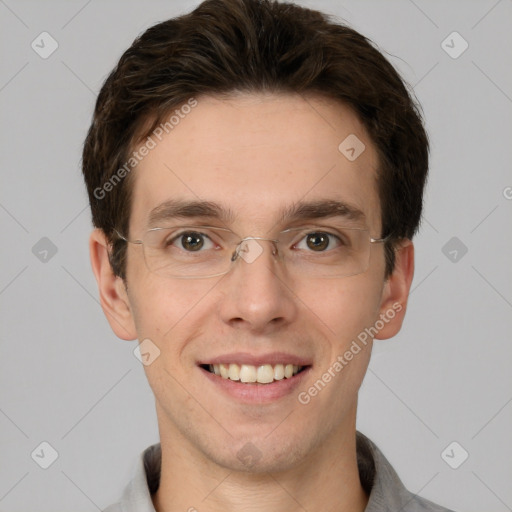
(378, 478)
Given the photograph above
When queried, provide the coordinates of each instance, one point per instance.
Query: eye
(319, 241)
(191, 241)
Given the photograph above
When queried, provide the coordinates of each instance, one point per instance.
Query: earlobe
(113, 296)
(396, 291)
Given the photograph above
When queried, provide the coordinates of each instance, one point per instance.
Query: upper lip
(271, 358)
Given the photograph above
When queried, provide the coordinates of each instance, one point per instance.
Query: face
(257, 157)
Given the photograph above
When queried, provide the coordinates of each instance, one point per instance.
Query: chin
(260, 455)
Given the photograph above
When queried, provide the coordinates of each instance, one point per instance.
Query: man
(255, 173)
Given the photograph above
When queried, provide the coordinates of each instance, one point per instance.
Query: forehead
(256, 156)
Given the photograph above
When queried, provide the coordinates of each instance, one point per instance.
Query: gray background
(67, 380)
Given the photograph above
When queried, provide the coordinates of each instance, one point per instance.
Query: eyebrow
(178, 208)
(321, 209)
(299, 211)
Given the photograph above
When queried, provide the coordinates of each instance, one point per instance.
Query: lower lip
(252, 393)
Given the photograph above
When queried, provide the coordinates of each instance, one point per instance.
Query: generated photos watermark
(144, 150)
(304, 397)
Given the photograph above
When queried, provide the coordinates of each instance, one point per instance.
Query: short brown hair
(252, 46)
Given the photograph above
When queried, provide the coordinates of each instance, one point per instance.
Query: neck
(328, 481)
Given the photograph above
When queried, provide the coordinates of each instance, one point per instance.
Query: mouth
(252, 374)
(256, 379)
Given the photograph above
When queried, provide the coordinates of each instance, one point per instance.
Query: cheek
(157, 303)
(164, 310)
(342, 307)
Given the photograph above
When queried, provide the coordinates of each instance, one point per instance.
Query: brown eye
(192, 241)
(317, 241)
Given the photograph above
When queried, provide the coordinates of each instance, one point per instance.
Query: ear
(113, 296)
(396, 291)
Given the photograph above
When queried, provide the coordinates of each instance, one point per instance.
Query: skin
(255, 154)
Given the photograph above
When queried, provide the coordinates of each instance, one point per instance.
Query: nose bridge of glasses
(249, 249)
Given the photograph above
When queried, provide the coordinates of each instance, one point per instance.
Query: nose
(256, 296)
(249, 250)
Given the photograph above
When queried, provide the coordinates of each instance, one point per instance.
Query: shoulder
(418, 504)
(386, 491)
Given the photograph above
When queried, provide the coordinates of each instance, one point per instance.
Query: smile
(251, 374)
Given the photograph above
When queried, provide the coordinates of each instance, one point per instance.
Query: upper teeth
(263, 374)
